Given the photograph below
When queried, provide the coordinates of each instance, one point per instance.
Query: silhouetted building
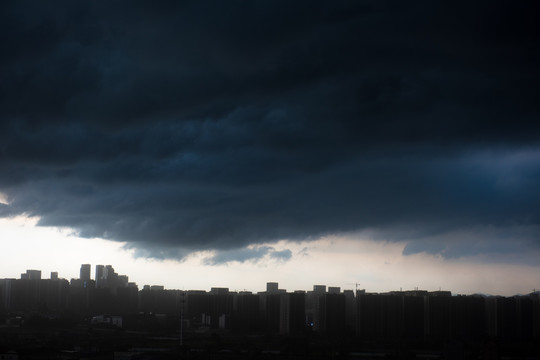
(380, 316)
(107, 278)
(350, 310)
(5, 294)
(76, 283)
(128, 299)
(272, 312)
(31, 275)
(85, 272)
(220, 308)
(35, 295)
(313, 307)
(292, 313)
(99, 275)
(123, 281)
(196, 305)
(110, 278)
(331, 314)
(219, 291)
(247, 317)
(334, 290)
(438, 325)
(413, 316)
(272, 287)
(536, 315)
(514, 318)
(80, 296)
(156, 299)
(468, 317)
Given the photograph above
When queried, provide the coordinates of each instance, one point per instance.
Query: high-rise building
(292, 313)
(54, 275)
(85, 272)
(108, 273)
(334, 290)
(99, 275)
(32, 275)
(272, 287)
(123, 280)
(111, 277)
(219, 291)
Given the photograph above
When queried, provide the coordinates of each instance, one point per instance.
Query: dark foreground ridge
(110, 318)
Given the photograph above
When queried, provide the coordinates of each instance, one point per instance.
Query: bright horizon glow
(339, 261)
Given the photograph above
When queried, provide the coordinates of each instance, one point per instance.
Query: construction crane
(356, 286)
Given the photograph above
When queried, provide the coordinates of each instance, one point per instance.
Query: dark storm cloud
(248, 254)
(189, 126)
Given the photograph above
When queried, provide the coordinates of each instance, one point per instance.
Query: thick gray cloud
(248, 254)
(192, 126)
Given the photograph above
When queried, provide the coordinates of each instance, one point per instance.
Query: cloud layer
(195, 126)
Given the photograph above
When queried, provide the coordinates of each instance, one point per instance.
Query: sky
(198, 144)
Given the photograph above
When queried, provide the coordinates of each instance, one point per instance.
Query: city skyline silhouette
(431, 322)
